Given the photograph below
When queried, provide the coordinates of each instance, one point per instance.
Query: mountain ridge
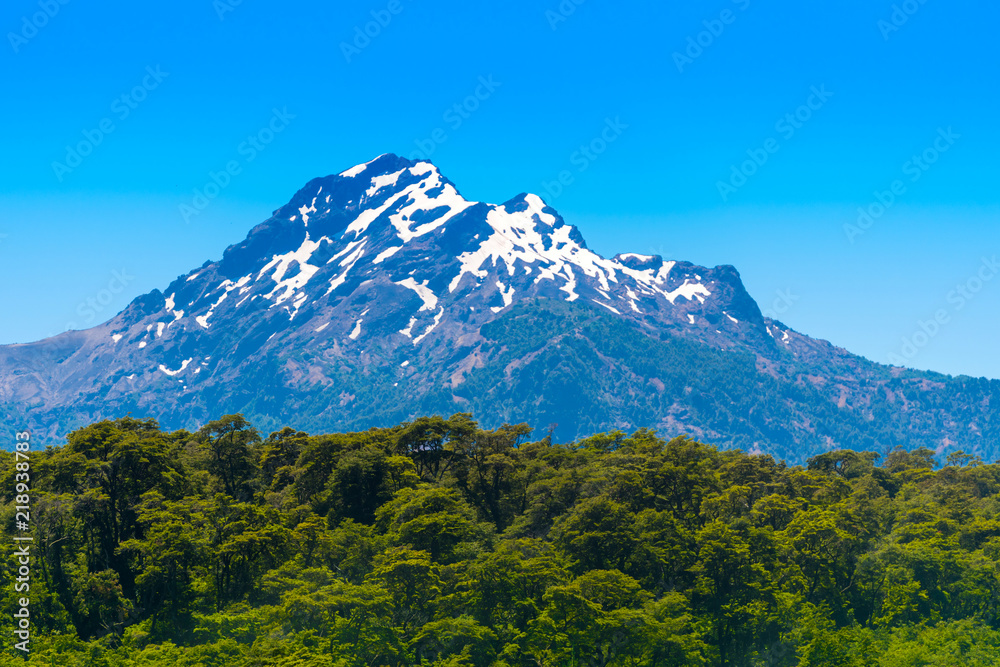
(386, 270)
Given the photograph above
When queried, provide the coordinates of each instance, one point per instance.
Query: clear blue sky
(887, 94)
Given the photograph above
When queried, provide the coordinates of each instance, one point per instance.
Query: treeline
(437, 542)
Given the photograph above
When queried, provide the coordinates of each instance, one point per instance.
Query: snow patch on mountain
(613, 310)
(357, 329)
(180, 370)
(508, 296)
(386, 254)
(437, 321)
(689, 290)
(306, 210)
(408, 331)
(348, 264)
(358, 170)
(426, 295)
(228, 286)
(285, 288)
(447, 199)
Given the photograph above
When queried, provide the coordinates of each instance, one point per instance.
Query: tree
(595, 619)
(231, 441)
(426, 439)
(597, 534)
(278, 456)
(489, 470)
(460, 637)
(168, 557)
(844, 462)
(366, 479)
(413, 583)
(115, 464)
(435, 520)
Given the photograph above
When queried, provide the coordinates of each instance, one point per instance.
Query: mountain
(381, 294)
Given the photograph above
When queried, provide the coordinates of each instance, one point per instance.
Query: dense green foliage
(438, 543)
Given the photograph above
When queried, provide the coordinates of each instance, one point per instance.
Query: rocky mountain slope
(381, 294)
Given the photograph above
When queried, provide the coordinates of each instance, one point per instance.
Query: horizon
(796, 144)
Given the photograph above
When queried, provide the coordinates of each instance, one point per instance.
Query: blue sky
(746, 133)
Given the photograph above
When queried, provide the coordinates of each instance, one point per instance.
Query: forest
(438, 542)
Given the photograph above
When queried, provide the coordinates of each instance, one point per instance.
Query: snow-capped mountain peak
(388, 260)
(380, 293)
(397, 232)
